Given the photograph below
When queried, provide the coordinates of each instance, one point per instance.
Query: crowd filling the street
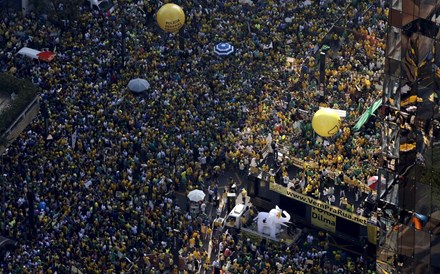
(103, 189)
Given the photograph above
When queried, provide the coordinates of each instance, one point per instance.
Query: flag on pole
(367, 114)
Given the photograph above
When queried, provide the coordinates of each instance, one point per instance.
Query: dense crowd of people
(353, 83)
(312, 255)
(103, 188)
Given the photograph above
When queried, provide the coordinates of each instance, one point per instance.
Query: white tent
(31, 53)
(44, 55)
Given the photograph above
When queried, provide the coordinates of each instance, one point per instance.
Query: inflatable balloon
(170, 17)
(326, 122)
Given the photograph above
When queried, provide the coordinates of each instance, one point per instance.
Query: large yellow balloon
(170, 17)
(326, 122)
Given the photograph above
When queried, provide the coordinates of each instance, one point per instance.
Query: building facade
(408, 208)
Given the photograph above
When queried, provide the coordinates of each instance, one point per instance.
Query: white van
(234, 218)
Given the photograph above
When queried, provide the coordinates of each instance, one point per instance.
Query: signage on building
(318, 204)
(323, 219)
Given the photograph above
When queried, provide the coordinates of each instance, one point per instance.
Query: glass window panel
(425, 106)
(406, 159)
(436, 67)
(386, 179)
(433, 176)
(392, 91)
(435, 251)
(427, 8)
(394, 50)
(422, 246)
(436, 140)
(409, 55)
(405, 241)
(420, 267)
(435, 13)
(427, 27)
(387, 234)
(395, 18)
(409, 7)
(391, 141)
(434, 269)
(406, 193)
(436, 52)
(424, 51)
(392, 195)
(423, 198)
(396, 4)
(407, 20)
(393, 67)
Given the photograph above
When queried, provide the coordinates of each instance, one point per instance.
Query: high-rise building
(409, 199)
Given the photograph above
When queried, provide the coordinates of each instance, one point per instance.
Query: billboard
(323, 219)
(334, 210)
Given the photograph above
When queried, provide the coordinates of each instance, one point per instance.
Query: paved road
(223, 180)
(211, 208)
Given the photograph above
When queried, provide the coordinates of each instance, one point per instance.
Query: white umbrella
(138, 85)
(196, 195)
(223, 49)
(373, 181)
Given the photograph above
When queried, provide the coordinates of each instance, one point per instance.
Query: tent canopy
(46, 56)
(28, 52)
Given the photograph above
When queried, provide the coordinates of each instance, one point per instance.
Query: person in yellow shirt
(208, 232)
(195, 234)
(196, 254)
(203, 229)
(192, 242)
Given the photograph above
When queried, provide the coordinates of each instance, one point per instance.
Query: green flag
(325, 48)
(367, 114)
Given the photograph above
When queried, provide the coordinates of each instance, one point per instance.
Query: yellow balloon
(326, 122)
(170, 17)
